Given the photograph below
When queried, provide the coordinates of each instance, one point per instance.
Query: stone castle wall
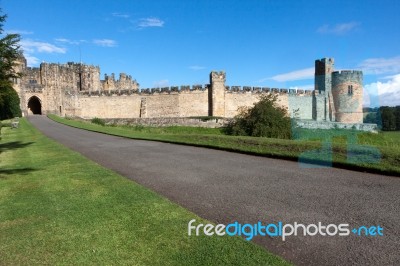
(50, 82)
(184, 103)
(139, 105)
(76, 90)
(125, 82)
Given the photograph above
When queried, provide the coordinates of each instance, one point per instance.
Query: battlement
(217, 76)
(32, 69)
(324, 66)
(68, 65)
(176, 89)
(244, 89)
(197, 88)
(105, 93)
(122, 77)
(347, 75)
(347, 72)
(124, 82)
(149, 91)
(325, 60)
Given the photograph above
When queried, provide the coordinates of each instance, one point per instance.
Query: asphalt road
(225, 187)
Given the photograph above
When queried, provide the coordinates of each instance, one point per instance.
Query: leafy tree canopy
(264, 119)
(9, 53)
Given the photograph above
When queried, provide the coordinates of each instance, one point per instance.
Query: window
(350, 90)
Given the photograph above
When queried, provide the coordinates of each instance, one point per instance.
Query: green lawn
(57, 207)
(378, 153)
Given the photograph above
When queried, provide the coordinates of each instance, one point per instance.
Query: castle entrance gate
(34, 106)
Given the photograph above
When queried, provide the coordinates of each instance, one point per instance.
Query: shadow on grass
(13, 145)
(17, 171)
(21, 171)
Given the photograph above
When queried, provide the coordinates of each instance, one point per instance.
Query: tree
(370, 118)
(9, 54)
(397, 115)
(264, 119)
(388, 118)
(9, 103)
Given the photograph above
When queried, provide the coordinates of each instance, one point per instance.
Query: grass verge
(349, 149)
(57, 207)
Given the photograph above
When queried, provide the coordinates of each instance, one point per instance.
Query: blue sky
(257, 43)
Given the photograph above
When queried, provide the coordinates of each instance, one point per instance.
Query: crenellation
(124, 82)
(185, 87)
(145, 91)
(197, 87)
(165, 89)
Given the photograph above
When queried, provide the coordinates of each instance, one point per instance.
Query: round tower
(347, 92)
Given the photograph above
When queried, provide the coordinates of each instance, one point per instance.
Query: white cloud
(31, 60)
(161, 83)
(338, 29)
(306, 73)
(150, 22)
(30, 46)
(383, 93)
(120, 15)
(68, 41)
(388, 77)
(196, 67)
(105, 42)
(21, 32)
(381, 65)
(303, 87)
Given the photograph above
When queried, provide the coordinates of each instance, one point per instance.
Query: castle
(75, 89)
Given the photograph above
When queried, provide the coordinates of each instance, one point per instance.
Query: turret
(216, 94)
(323, 71)
(347, 91)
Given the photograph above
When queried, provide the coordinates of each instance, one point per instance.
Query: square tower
(216, 94)
(323, 74)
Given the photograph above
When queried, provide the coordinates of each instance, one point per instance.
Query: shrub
(264, 119)
(9, 103)
(98, 121)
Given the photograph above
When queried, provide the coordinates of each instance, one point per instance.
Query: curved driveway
(225, 187)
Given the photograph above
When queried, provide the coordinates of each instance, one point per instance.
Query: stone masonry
(75, 89)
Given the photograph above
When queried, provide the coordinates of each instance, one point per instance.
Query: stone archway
(34, 106)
